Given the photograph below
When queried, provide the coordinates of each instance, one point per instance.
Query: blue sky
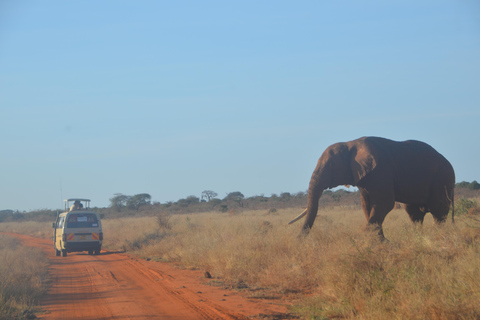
(173, 98)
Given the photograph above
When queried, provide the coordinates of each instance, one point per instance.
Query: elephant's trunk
(324, 176)
(321, 180)
(312, 208)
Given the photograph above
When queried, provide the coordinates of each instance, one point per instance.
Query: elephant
(385, 171)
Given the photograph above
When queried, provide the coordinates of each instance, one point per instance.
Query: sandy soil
(116, 286)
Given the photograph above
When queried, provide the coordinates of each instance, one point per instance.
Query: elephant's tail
(453, 207)
(452, 201)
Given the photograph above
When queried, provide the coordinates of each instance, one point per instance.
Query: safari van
(77, 229)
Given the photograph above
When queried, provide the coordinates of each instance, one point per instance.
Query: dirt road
(115, 286)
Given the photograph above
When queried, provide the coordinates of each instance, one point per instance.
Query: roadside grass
(341, 270)
(23, 279)
(128, 234)
(33, 228)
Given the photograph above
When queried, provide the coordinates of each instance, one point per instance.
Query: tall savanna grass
(341, 270)
(33, 228)
(23, 279)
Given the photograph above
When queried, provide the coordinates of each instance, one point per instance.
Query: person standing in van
(77, 205)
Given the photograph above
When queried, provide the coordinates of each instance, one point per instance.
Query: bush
(163, 220)
(464, 205)
(475, 211)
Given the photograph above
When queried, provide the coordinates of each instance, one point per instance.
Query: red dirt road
(115, 286)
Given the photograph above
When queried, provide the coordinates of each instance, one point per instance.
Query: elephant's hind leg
(440, 203)
(440, 211)
(415, 212)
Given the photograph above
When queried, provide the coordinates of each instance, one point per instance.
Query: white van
(77, 229)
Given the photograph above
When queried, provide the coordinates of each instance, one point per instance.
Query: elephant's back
(425, 153)
(425, 165)
(414, 158)
(411, 157)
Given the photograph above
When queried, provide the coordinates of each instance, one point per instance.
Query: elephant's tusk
(299, 216)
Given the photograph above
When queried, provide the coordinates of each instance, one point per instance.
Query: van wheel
(64, 253)
(57, 252)
(90, 252)
(97, 252)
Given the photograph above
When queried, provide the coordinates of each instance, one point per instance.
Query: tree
(138, 200)
(236, 196)
(474, 185)
(285, 196)
(208, 195)
(119, 201)
(188, 201)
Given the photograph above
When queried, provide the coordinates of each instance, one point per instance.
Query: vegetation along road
(115, 286)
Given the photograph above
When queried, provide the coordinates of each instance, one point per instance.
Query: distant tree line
(36, 215)
(474, 185)
(140, 204)
(233, 202)
(121, 202)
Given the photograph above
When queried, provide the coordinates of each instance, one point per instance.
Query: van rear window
(82, 220)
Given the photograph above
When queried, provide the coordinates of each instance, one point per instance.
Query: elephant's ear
(364, 160)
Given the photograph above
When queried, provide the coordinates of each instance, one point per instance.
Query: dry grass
(340, 270)
(33, 228)
(127, 234)
(23, 279)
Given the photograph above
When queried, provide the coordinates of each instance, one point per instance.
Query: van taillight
(100, 236)
(64, 237)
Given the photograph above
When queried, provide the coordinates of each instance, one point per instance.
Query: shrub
(272, 211)
(464, 205)
(475, 211)
(163, 220)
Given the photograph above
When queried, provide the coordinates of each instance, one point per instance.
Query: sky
(172, 98)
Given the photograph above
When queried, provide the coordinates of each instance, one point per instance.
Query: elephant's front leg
(376, 210)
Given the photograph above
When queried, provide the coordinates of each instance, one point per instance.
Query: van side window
(60, 222)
